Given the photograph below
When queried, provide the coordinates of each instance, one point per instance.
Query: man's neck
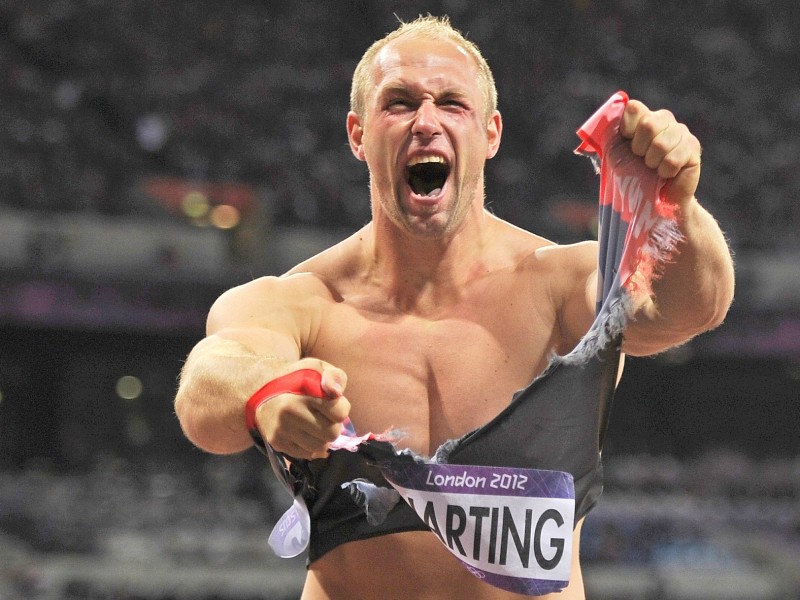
(427, 274)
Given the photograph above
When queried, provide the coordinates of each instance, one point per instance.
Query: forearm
(218, 377)
(695, 290)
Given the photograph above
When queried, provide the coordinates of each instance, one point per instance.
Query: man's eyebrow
(406, 90)
(395, 89)
(454, 93)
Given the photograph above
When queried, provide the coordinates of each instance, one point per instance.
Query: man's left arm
(695, 290)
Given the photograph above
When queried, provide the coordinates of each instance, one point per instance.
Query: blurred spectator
(98, 95)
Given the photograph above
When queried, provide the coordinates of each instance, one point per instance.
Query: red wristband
(304, 382)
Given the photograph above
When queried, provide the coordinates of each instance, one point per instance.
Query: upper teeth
(425, 159)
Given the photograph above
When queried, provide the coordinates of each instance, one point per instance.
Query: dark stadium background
(153, 154)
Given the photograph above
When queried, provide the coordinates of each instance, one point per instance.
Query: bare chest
(435, 379)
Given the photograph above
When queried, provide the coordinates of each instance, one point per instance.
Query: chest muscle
(433, 379)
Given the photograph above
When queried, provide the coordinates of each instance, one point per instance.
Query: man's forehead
(421, 53)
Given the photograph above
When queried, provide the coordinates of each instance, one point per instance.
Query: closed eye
(454, 103)
(399, 103)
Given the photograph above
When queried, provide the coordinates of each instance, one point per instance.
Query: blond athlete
(435, 312)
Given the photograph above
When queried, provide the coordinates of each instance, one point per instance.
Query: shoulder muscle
(572, 282)
(288, 306)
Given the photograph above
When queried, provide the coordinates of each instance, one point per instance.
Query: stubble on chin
(436, 224)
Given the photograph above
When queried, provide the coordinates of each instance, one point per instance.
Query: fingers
(313, 438)
(652, 134)
(666, 146)
(334, 411)
(302, 446)
(659, 138)
(333, 380)
(632, 116)
(300, 426)
(303, 426)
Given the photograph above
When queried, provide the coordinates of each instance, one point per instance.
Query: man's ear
(494, 131)
(355, 134)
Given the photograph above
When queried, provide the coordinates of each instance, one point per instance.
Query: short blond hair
(427, 27)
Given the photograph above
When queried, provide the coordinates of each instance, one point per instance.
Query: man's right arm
(255, 333)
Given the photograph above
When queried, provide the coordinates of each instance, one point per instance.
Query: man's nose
(426, 121)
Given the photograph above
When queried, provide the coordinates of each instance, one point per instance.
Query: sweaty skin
(433, 314)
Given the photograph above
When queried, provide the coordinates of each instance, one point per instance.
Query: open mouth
(427, 175)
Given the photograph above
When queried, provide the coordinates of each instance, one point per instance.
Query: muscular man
(432, 315)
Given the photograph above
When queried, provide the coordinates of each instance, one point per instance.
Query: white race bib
(510, 527)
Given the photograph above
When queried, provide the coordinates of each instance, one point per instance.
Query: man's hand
(666, 146)
(303, 426)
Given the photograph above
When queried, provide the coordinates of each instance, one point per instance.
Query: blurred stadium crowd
(99, 95)
(659, 518)
(101, 100)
